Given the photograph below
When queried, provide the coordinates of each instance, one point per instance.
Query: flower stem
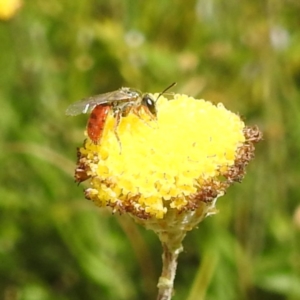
(166, 280)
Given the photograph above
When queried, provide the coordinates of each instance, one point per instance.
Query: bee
(120, 102)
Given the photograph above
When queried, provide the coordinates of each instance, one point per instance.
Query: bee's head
(150, 104)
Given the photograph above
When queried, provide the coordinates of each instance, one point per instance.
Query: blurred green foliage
(56, 245)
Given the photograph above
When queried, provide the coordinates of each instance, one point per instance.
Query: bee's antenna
(170, 86)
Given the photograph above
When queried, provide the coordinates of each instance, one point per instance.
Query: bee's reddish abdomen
(96, 122)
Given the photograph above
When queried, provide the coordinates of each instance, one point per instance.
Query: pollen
(180, 162)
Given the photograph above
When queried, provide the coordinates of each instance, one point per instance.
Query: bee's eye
(150, 104)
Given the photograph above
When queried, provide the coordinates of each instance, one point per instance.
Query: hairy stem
(166, 281)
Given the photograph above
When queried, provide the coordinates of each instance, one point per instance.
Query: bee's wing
(87, 104)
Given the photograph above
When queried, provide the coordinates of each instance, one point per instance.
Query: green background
(54, 244)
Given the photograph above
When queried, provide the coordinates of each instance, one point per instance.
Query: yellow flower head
(175, 166)
(8, 8)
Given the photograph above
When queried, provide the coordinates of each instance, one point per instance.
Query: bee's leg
(147, 111)
(118, 116)
(137, 112)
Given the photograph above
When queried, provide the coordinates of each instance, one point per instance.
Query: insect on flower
(120, 102)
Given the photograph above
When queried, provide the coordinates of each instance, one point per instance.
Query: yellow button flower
(8, 8)
(185, 159)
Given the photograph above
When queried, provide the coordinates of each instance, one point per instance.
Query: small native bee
(120, 102)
